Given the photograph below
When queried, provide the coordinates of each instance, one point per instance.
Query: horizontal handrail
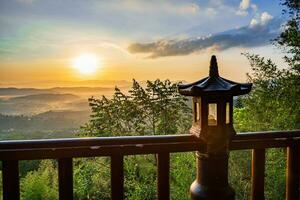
(267, 135)
(117, 147)
(96, 151)
(94, 141)
(129, 145)
(265, 139)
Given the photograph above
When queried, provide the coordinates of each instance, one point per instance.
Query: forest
(158, 109)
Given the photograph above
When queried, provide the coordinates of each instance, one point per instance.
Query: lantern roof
(214, 84)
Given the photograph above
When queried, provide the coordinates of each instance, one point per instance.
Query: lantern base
(200, 192)
(212, 178)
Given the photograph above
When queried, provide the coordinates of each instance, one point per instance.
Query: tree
(156, 109)
(274, 102)
(40, 184)
(91, 178)
(289, 38)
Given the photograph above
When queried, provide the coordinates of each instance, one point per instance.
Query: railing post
(65, 178)
(163, 185)
(117, 177)
(292, 172)
(10, 180)
(258, 174)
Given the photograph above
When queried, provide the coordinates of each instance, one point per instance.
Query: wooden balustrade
(117, 147)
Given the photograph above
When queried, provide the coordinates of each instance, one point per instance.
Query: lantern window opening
(198, 102)
(197, 109)
(228, 113)
(212, 114)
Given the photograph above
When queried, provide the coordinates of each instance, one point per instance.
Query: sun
(87, 63)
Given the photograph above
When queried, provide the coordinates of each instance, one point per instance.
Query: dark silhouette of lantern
(212, 123)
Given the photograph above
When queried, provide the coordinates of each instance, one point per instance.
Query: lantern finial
(213, 69)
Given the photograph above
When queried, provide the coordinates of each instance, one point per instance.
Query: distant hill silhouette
(31, 101)
(12, 91)
(44, 97)
(38, 103)
(50, 124)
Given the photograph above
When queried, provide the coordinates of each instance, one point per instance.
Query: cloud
(258, 33)
(253, 22)
(244, 7)
(262, 20)
(265, 18)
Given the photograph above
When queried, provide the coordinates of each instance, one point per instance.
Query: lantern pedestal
(212, 178)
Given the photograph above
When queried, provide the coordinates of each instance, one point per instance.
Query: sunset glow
(55, 43)
(87, 64)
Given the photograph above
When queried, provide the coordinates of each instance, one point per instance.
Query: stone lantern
(212, 123)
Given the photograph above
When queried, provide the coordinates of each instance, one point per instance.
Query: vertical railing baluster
(65, 178)
(163, 168)
(10, 180)
(258, 174)
(292, 173)
(117, 177)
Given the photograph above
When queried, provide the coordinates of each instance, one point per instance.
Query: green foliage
(28, 165)
(239, 173)
(42, 125)
(289, 38)
(156, 109)
(91, 179)
(41, 184)
(182, 174)
(140, 177)
(272, 105)
(274, 102)
(275, 174)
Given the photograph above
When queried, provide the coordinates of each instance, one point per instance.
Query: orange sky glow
(40, 40)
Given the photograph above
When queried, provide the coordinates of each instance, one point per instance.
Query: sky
(40, 40)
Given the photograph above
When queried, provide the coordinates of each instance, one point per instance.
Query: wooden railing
(117, 147)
